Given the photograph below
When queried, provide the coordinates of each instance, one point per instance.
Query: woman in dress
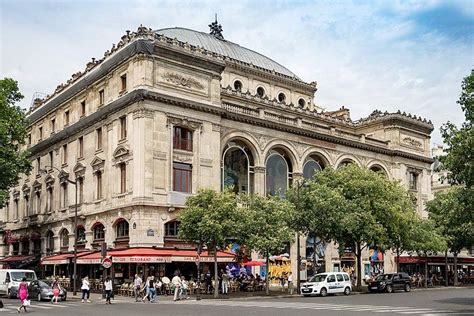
(23, 293)
(56, 290)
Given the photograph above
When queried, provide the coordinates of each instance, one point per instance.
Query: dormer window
(123, 81)
(301, 103)
(83, 108)
(260, 92)
(238, 85)
(281, 97)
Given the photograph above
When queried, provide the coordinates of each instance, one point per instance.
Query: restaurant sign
(148, 259)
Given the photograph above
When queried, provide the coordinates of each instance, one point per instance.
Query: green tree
(460, 141)
(13, 161)
(452, 212)
(210, 219)
(268, 227)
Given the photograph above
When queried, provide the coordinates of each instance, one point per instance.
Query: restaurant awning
(154, 255)
(20, 261)
(63, 258)
(435, 260)
(15, 259)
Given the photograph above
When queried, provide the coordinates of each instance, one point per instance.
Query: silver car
(42, 290)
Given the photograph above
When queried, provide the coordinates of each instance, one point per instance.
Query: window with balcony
(182, 177)
(183, 139)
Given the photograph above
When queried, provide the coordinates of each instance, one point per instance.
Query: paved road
(423, 303)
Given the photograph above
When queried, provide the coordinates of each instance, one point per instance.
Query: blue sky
(365, 55)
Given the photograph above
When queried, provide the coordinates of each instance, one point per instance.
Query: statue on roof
(216, 29)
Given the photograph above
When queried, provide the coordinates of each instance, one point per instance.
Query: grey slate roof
(224, 47)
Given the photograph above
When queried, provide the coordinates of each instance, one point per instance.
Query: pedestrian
(184, 288)
(85, 289)
(151, 289)
(290, 283)
(137, 285)
(147, 292)
(56, 289)
(108, 290)
(225, 283)
(23, 294)
(176, 281)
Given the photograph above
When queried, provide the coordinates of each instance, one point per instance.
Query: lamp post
(74, 277)
(198, 263)
(302, 183)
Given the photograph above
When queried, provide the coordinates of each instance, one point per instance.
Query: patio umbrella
(254, 264)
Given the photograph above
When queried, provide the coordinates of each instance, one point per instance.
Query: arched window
(81, 234)
(99, 232)
(172, 228)
(261, 92)
(281, 97)
(49, 242)
(310, 168)
(301, 103)
(64, 238)
(238, 85)
(121, 229)
(182, 139)
(237, 168)
(345, 162)
(378, 169)
(278, 173)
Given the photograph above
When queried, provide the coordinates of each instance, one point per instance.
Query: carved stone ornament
(300, 148)
(183, 157)
(180, 80)
(97, 164)
(79, 170)
(262, 141)
(49, 181)
(63, 176)
(36, 186)
(182, 121)
(120, 152)
(412, 142)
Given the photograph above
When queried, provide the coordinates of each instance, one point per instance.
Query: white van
(327, 283)
(10, 280)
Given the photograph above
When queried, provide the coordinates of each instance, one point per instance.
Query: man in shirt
(176, 281)
(137, 286)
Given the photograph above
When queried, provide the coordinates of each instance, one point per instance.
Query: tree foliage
(460, 141)
(13, 161)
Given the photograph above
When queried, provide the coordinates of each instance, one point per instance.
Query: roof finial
(216, 29)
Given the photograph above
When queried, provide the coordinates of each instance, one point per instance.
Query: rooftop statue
(216, 29)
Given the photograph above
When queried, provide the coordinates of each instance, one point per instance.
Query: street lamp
(74, 288)
(300, 184)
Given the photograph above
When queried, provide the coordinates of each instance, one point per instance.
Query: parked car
(10, 280)
(390, 282)
(42, 290)
(327, 283)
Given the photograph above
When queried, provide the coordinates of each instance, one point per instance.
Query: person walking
(151, 289)
(290, 283)
(85, 288)
(137, 286)
(108, 290)
(225, 283)
(145, 288)
(176, 281)
(56, 290)
(23, 294)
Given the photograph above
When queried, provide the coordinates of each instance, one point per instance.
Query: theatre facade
(167, 112)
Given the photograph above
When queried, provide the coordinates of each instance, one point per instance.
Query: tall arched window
(237, 168)
(311, 166)
(81, 234)
(99, 232)
(121, 229)
(278, 173)
(64, 238)
(49, 242)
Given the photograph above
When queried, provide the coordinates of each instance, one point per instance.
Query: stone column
(57, 244)
(32, 244)
(10, 249)
(259, 180)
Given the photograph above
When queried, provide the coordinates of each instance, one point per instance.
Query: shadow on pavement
(458, 300)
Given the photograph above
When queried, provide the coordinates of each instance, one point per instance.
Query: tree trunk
(446, 281)
(455, 254)
(398, 260)
(359, 266)
(267, 279)
(216, 275)
(426, 270)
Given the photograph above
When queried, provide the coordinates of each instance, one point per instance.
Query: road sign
(107, 263)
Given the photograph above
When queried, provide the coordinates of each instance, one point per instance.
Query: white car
(327, 283)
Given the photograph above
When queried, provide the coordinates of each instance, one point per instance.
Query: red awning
(63, 258)
(435, 259)
(15, 258)
(154, 255)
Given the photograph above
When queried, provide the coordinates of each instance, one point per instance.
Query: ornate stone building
(167, 112)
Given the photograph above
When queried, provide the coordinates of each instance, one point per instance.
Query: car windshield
(318, 278)
(384, 277)
(43, 284)
(18, 276)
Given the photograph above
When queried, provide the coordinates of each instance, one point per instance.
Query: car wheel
(347, 291)
(39, 297)
(389, 289)
(323, 292)
(9, 294)
(407, 288)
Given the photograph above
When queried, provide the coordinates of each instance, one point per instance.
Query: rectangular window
(64, 195)
(80, 144)
(64, 153)
(40, 132)
(38, 165)
(101, 97)
(123, 127)
(51, 159)
(66, 118)
(99, 185)
(123, 178)
(413, 181)
(29, 139)
(183, 139)
(123, 81)
(80, 183)
(16, 209)
(182, 176)
(50, 199)
(27, 206)
(38, 203)
(99, 137)
(53, 125)
(83, 108)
